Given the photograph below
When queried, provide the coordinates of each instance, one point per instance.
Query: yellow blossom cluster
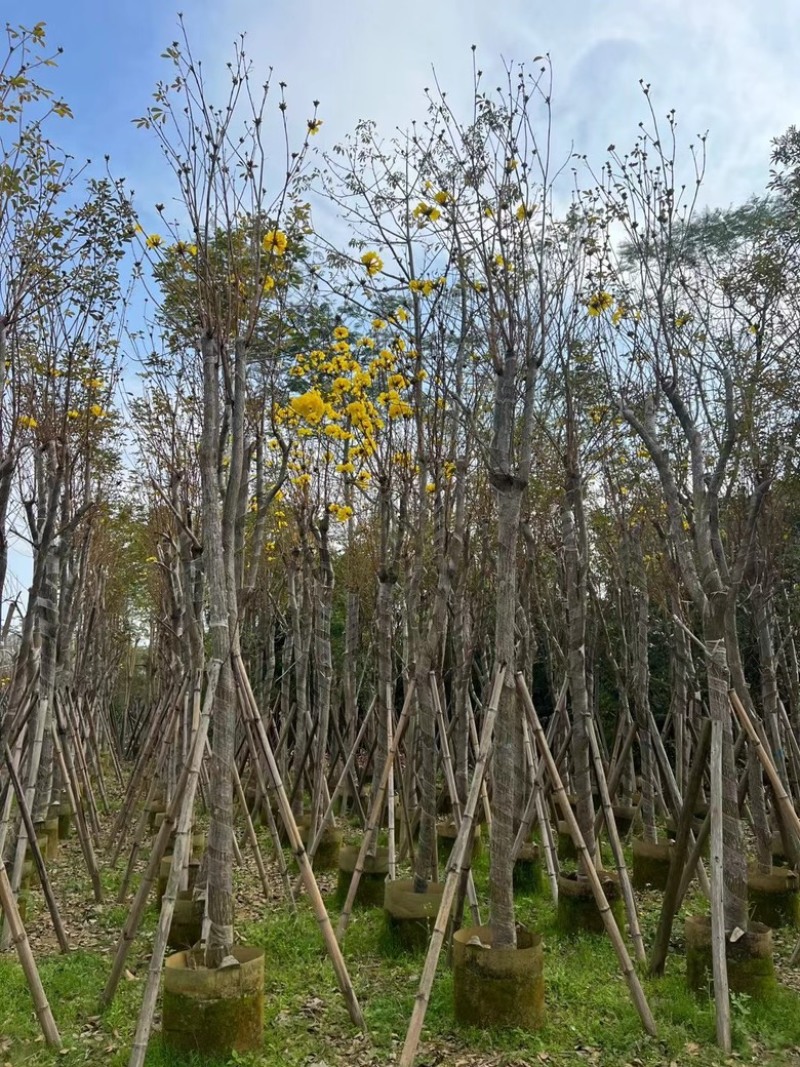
(425, 212)
(275, 242)
(426, 286)
(340, 512)
(598, 303)
(373, 262)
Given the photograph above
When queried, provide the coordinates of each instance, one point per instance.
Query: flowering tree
(227, 268)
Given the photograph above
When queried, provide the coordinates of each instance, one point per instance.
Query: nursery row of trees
(507, 418)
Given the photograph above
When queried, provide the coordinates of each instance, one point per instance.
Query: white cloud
(725, 65)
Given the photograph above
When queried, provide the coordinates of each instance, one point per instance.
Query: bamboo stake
(179, 858)
(20, 940)
(314, 844)
(626, 964)
(616, 845)
(458, 857)
(450, 778)
(617, 770)
(550, 851)
(390, 785)
(718, 958)
(267, 809)
(676, 800)
(781, 796)
(139, 834)
(671, 902)
(68, 773)
(376, 806)
(473, 736)
(47, 888)
(187, 780)
(251, 834)
(309, 881)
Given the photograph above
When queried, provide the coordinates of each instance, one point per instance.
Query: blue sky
(726, 66)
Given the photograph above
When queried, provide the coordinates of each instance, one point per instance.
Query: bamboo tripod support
(626, 964)
(191, 770)
(458, 857)
(68, 773)
(719, 960)
(375, 812)
(20, 941)
(309, 881)
(314, 844)
(671, 900)
(251, 834)
(450, 778)
(44, 878)
(616, 845)
(782, 798)
(271, 825)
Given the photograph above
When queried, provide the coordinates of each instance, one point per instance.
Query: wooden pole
(309, 881)
(462, 842)
(626, 964)
(672, 898)
(718, 958)
(20, 941)
(187, 781)
(781, 796)
(376, 806)
(47, 888)
(450, 778)
(616, 844)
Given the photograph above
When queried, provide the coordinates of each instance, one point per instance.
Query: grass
(590, 1017)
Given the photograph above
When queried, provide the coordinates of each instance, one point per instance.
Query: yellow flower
(269, 284)
(73, 414)
(191, 250)
(430, 488)
(275, 241)
(314, 126)
(97, 411)
(153, 241)
(94, 383)
(401, 315)
(511, 165)
(345, 468)
(340, 512)
(378, 324)
(27, 422)
(399, 409)
(341, 333)
(151, 559)
(618, 314)
(442, 197)
(310, 406)
(426, 213)
(599, 302)
(683, 319)
(373, 262)
(302, 480)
